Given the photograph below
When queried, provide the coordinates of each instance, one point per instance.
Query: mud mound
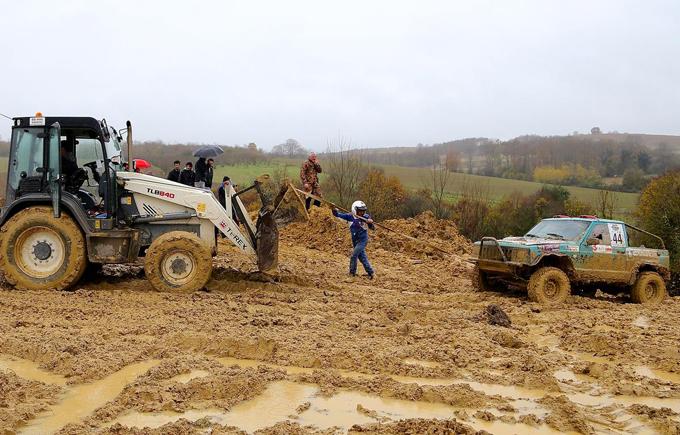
(325, 233)
(426, 228)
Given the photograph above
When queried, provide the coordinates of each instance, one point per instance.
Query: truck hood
(529, 241)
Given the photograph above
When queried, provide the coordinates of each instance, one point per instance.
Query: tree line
(580, 160)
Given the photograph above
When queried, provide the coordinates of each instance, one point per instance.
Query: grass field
(414, 178)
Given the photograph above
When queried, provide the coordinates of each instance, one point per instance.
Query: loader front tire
(178, 261)
(39, 251)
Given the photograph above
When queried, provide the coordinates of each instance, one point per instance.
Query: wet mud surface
(312, 350)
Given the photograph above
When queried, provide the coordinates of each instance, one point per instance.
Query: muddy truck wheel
(649, 288)
(549, 286)
(39, 251)
(178, 261)
(480, 281)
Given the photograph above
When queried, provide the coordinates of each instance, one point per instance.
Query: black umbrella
(208, 151)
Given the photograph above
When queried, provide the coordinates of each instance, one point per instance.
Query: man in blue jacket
(360, 223)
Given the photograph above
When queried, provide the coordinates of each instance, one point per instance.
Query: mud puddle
(300, 402)
(30, 370)
(660, 375)
(421, 363)
(81, 400)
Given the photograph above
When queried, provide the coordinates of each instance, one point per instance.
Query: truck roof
(64, 121)
(586, 219)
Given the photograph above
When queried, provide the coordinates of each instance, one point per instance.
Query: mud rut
(316, 351)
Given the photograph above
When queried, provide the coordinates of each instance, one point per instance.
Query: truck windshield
(562, 229)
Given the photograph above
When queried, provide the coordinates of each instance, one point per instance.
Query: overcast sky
(383, 73)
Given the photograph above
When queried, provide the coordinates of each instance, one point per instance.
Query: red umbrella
(140, 164)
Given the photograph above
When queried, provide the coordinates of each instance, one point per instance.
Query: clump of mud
(326, 233)
(495, 316)
(22, 399)
(414, 426)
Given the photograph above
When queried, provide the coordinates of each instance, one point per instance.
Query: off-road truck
(564, 252)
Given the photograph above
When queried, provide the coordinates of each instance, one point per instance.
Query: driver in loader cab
(68, 160)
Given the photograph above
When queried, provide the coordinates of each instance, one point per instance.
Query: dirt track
(318, 349)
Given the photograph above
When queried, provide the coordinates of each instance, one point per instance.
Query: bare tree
(606, 203)
(435, 183)
(344, 171)
(290, 148)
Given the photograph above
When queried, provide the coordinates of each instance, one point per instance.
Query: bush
(385, 196)
(659, 212)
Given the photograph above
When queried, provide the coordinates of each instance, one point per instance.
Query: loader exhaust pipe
(129, 146)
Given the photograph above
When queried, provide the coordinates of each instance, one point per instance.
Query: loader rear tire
(178, 261)
(480, 280)
(39, 251)
(649, 288)
(549, 286)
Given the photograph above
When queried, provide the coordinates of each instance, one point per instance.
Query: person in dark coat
(209, 173)
(187, 176)
(222, 197)
(174, 174)
(200, 169)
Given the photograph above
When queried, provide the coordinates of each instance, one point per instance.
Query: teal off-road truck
(564, 252)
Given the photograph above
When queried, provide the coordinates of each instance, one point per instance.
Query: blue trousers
(359, 253)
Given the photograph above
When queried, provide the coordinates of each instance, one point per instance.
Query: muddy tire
(649, 288)
(549, 286)
(39, 251)
(178, 261)
(480, 281)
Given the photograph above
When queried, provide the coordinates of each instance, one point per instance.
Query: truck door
(53, 140)
(603, 253)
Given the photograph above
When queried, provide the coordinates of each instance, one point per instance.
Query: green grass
(414, 178)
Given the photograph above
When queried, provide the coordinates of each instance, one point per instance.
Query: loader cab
(57, 156)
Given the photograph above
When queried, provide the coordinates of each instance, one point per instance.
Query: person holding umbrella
(204, 153)
(200, 169)
(209, 173)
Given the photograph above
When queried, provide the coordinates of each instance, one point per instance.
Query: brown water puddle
(81, 400)
(421, 363)
(300, 402)
(187, 377)
(30, 370)
(660, 375)
(522, 398)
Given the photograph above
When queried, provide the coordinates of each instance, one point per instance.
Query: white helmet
(358, 205)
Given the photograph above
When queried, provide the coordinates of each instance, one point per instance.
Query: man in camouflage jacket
(309, 176)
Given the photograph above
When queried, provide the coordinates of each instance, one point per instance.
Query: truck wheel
(39, 251)
(178, 261)
(549, 286)
(649, 288)
(479, 280)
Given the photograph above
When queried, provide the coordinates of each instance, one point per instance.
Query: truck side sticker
(602, 249)
(641, 252)
(616, 235)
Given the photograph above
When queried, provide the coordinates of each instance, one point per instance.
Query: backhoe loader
(69, 205)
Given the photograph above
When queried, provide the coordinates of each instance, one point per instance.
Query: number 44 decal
(616, 234)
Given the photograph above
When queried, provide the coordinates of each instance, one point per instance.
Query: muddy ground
(314, 350)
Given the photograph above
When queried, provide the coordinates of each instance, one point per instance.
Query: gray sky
(382, 73)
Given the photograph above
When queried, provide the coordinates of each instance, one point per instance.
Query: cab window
(27, 155)
(601, 232)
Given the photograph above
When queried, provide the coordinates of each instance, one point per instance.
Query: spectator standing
(222, 196)
(209, 173)
(173, 175)
(200, 170)
(309, 176)
(187, 176)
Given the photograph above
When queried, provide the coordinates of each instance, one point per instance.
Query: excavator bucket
(288, 206)
(267, 236)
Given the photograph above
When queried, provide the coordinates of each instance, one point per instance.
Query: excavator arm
(202, 204)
